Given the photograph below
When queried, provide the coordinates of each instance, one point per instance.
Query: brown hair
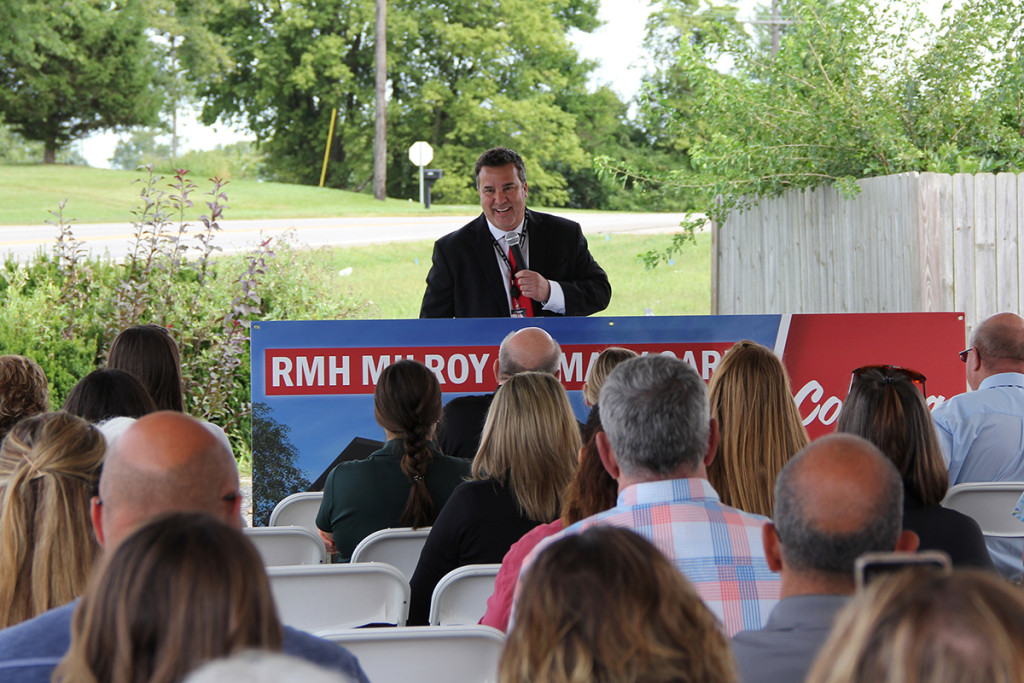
(605, 363)
(49, 469)
(150, 354)
(23, 391)
(917, 626)
(182, 590)
(529, 443)
(592, 489)
(759, 426)
(886, 408)
(606, 606)
(407, 403)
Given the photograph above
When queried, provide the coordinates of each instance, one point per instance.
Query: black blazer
(465, 282)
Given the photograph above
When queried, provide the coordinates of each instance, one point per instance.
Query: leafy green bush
(63, 309)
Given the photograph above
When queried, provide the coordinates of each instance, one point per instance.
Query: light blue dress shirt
(982, 437)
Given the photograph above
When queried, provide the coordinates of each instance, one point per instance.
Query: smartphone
(870, 566)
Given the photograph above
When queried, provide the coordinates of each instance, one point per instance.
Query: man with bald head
(164, 462)
(837, 499)
(982, 431)
(529, 349)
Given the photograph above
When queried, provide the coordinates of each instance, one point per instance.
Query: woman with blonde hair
(402, 484)
(526, 458)
(49, 471)
(605, 363)
(181, 591)
(921, 626)
(606, 606)
(759, 426)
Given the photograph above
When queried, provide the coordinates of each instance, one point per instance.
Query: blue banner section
(312, 381)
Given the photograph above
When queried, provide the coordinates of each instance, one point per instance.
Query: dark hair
(500, 156)
(150, 354)
(407, 402)
(103, 394)
(888, 410)
(23, 391)
(592, 489)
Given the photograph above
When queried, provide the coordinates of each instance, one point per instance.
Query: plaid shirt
(716, 547)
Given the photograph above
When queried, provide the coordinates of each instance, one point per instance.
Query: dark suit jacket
(465, 282)
(460, 429)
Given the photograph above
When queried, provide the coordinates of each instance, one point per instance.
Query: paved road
(24, 241)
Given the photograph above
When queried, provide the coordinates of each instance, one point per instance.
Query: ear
(772, 552)
(604, 449)
(713, 437)
(907, 542)
(494, 369)
(525, 188)
(583, 390)
(96, 514)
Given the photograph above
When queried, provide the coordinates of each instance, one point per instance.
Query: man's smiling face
(502, 196)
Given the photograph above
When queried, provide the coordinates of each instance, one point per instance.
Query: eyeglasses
(890, 371)
(963, 354)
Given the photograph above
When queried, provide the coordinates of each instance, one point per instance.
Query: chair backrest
(298, 509)
(339, 596)
(283, 545)
(399, 547)
(990, 504)
(461, 596)
(425, 654)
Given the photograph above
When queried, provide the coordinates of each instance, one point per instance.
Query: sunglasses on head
(890, 372)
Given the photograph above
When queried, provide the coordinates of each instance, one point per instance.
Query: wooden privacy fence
(908, 242)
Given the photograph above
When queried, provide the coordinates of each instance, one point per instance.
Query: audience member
(834, 501)
(527, 456)
(182, 590)
(591, 490)
(759, 425)
(49, 468)
(23, 391)
(606, 606)
(918, 625)
(164, 462)
(659, 439)
(260, 666)
(529, 349)
(981, 433)
(105, 394)
(402, 484)
(605, 363)
(886, 406)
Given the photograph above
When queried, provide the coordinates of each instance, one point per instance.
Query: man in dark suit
(471, 273)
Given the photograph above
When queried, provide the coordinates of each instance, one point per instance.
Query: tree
(94, 69)
(275, 473)
(463, 77)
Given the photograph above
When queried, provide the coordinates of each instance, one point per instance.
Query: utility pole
(380, 137)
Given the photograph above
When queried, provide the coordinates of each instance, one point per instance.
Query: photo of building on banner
(313, 381)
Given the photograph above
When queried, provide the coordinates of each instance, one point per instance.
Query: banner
(313, 382)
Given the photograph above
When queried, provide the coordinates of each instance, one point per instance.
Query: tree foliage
(279, 473)
(80, 66)
(857, 89)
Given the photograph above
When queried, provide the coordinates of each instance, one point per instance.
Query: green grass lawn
(29, 192)
(392, 276)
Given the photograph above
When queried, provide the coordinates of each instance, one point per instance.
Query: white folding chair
(425, 654)
(990, 504)
(399, 547)
(461, 596)
(298, 509)
(284, 545)
(339, 596)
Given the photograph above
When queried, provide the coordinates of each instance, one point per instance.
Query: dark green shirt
(363, 496)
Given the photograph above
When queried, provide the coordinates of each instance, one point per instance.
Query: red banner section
(326, 371)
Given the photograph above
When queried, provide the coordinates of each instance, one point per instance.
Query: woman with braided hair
(49, 470)
(403, 484)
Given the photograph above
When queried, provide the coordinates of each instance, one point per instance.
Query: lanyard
(522, 245)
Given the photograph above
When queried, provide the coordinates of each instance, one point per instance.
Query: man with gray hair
(529, 349)
(657, 442)
(837, 499)
(981, 432)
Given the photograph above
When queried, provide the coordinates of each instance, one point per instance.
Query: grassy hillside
(29, 192)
